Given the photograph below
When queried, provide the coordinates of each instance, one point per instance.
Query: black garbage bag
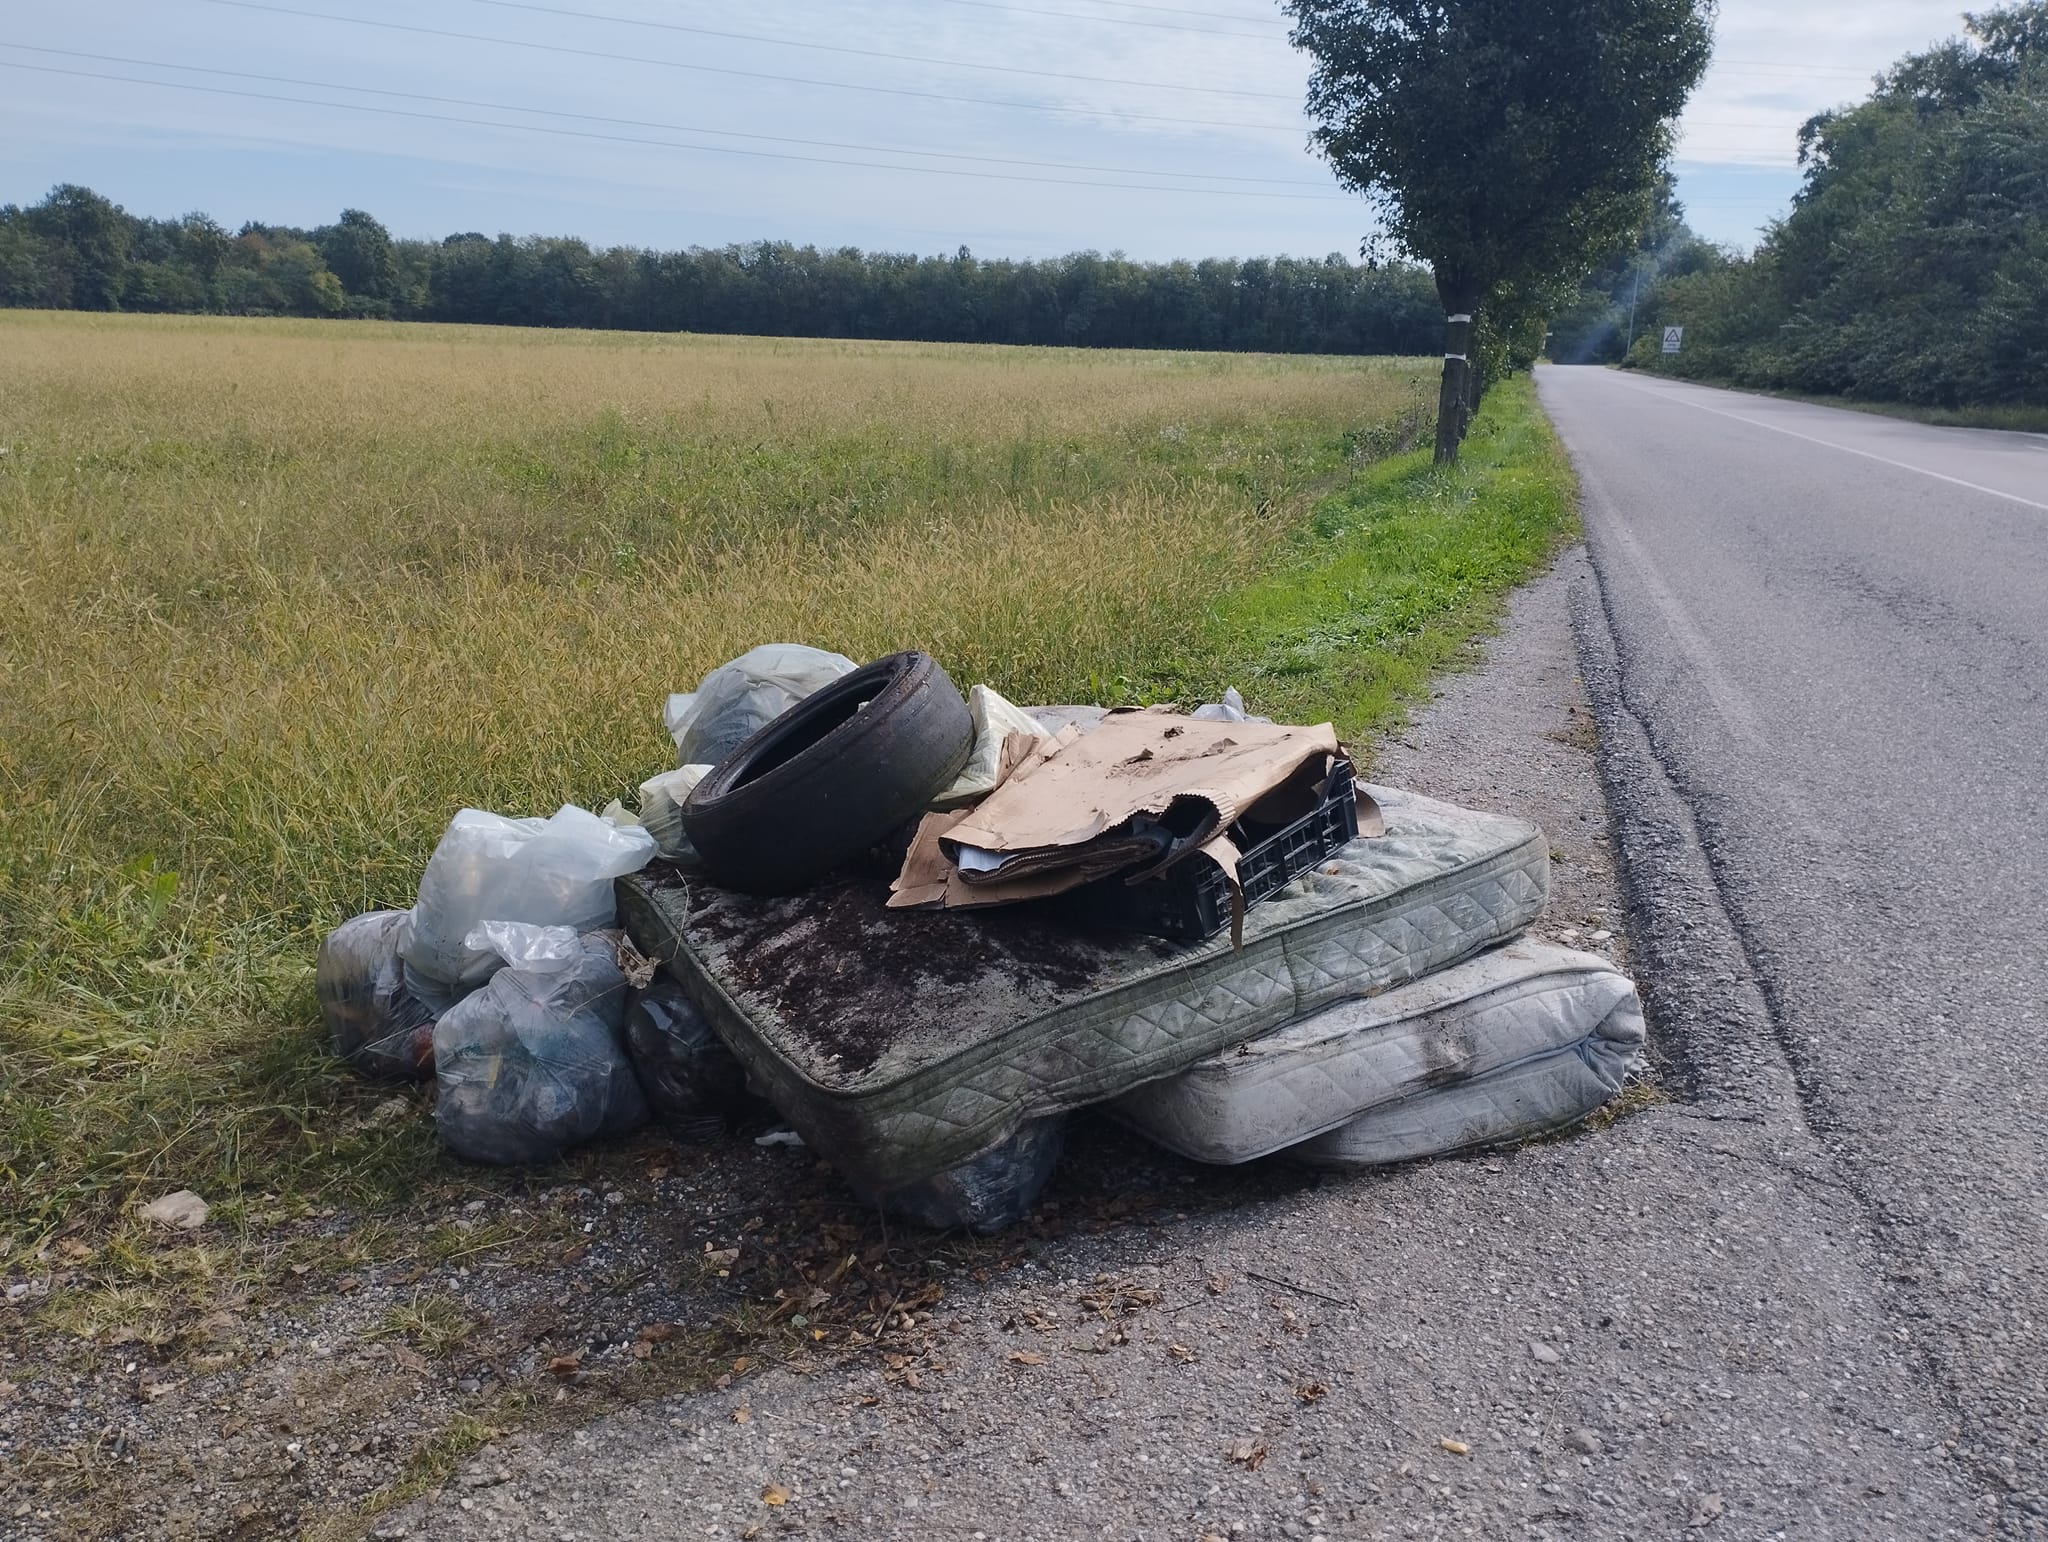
(530, 1063)
(692, 1082)
(376, 1023)
(995, 1190)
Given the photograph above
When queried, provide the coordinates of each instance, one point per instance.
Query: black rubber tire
(831, 776)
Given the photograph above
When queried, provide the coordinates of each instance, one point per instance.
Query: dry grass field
(279, 597)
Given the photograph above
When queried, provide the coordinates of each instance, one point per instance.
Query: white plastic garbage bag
(661, 808)
(737, 698)
(377, 1023)
(531, 1064)
(525, 946)
(995, 719)
(1228, 710)
(548, 872)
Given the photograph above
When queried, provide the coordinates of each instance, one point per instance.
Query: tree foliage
(1506, 143)
(1914, 262)
(75, 249)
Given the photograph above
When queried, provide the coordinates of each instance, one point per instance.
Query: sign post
(1673, 336)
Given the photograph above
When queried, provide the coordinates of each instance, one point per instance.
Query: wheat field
(279, 597)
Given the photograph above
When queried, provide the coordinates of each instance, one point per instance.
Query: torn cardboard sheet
(1142, 791)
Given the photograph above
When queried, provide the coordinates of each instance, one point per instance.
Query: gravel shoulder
(1668, 1323)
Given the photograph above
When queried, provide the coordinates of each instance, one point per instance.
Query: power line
(875, 53)
(627, 139)
(1128, 21)
(713, 69)
(676, 128)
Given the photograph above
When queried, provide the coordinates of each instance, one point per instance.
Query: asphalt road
(1822, 667)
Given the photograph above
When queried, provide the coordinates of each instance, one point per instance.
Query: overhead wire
(675, 128)
(713, 69)
(876, 53)
(777, 155)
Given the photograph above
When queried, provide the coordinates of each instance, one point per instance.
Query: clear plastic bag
(530, 1064)
(1228, 710)
(548, 872)
(661, 809)
(995, 719)
(377, 1024)
(995, 1190)
(692, 1082)
(737, 698)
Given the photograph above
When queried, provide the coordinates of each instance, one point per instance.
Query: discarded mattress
(1521, 1040)
(904, 1043)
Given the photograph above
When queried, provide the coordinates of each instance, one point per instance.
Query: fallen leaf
(575, 1254)
(1218, 1284)
(566, 1365)
(656, 1174)
(1025, 1357)
(182, 1211)
(8, 1389)
(1252, 1453)
(1311, 1392)
(348, 1284)
(869, 1401)
(739, 1366)
(642, 1350)
(302, 1269)
(657, 1333)
(742, 1415)
(775, 1494)
(720, 1257)
(722, 1380)
(74, 1250)
(410, 1359)
(152, 1390)
(1455, 1447)
(912, 1380)
(1180, 1352)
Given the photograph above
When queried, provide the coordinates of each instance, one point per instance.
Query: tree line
(77, 250)
(1913, 265)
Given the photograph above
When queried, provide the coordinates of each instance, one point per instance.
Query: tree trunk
(1451, 394)
(1475, 385)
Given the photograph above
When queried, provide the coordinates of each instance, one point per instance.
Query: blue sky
(634, 121)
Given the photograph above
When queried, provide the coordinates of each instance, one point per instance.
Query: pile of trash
(925, 927)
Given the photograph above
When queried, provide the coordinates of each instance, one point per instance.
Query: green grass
(282, 596)
(1391, 577)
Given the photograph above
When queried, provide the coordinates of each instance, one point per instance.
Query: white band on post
(1457, 318)
(1459, 357)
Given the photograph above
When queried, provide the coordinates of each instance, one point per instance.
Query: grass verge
(1391, 578)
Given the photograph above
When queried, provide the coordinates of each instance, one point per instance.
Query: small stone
(184, 1210)
(1583, 1440)
(1603, 935)
(469, 1384)
(1542, 1353)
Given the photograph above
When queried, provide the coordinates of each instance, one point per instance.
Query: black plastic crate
(1191, 900)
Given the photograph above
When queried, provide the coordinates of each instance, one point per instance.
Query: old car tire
(831, 776)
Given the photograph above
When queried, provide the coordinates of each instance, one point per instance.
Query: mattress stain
(1448, 1050)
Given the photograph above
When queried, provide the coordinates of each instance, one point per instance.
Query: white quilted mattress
(902, 1043)
(1521, 1040)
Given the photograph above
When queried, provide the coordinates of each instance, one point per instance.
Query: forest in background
(1912, 267)
(78, 250)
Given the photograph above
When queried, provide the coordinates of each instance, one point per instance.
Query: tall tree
(1507, 143)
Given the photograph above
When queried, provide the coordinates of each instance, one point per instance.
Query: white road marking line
(1829, 444)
